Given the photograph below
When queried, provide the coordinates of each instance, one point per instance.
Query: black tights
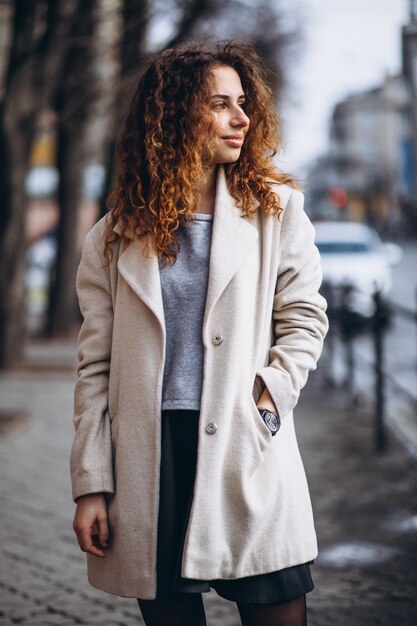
(187, 609)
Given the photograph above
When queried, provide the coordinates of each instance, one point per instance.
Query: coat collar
(232, 240)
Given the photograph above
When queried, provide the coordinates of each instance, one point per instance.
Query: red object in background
(337, 196)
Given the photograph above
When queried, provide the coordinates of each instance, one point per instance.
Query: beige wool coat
(264, 324)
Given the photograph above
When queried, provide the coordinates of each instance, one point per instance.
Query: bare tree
(38, 41)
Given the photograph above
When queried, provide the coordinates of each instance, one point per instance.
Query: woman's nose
(240, 119)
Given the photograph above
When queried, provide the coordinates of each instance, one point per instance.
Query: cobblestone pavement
(365, 509)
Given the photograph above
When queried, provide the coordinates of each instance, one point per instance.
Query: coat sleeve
(91, 454)
(299, 318)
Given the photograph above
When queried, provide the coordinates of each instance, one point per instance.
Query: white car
(353, 255)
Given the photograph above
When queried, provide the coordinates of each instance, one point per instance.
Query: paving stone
(108, 622)
(51, 620)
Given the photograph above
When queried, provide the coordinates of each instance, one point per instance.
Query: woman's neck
(208, 193)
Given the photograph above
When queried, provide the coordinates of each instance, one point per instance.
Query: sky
(349, 46)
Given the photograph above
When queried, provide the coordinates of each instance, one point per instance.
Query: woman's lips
(234, 141)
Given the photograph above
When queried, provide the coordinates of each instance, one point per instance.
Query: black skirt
(178, 462)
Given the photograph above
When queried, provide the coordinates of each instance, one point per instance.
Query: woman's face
(227, 103)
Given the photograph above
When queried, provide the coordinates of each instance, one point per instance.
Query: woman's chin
(230, 158)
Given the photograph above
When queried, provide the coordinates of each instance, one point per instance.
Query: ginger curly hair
(165, 146)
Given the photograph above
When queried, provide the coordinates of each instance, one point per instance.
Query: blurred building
(409, 48)
(367, 173)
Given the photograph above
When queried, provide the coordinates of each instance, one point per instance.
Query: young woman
(202, 318)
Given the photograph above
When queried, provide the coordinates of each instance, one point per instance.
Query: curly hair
(166, 145)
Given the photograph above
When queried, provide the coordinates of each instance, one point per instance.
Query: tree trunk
(14, 151)
(63, 312)
(16, 133)
(72, 120)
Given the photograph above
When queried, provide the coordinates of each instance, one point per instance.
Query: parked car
(354, 256)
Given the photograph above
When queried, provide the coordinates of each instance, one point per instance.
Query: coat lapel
(233, 238)
(142, 274)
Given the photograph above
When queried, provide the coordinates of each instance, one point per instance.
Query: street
(364, 506)
(399, 358)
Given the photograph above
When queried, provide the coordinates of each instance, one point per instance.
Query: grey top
(184, 290)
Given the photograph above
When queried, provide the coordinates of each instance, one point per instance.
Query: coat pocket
(263, 433)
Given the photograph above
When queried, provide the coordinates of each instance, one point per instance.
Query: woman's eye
(218, 106)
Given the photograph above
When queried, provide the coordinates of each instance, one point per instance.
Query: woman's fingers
(103, 530)
(86, 543)
(90, 516)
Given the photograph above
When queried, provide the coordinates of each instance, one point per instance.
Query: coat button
(217, 340)
(211, 428)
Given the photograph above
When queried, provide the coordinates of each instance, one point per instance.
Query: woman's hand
(266, 402)
(90, 516)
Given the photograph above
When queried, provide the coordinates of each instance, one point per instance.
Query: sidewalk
(365, 510)
(366, 517)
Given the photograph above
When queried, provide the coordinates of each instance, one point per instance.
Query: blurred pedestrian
(202, 318)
